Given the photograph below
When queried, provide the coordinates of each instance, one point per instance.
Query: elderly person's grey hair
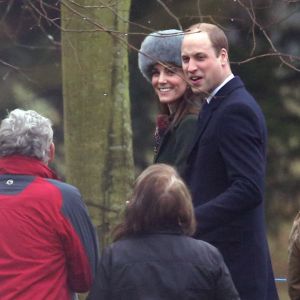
(26, 133)
(161, 46)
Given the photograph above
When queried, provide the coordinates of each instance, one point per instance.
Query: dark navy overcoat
(226, 171)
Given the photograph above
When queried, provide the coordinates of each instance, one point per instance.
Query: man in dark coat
(227, 163)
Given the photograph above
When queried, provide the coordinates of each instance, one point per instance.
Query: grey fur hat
(163, 46)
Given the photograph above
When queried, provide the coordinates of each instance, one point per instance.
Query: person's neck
(172, 107)
(224, 81)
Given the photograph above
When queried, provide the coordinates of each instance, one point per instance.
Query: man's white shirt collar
(219, 87)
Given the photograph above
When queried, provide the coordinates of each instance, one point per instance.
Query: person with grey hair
(159, 61)
(49, 248)
(27, 133)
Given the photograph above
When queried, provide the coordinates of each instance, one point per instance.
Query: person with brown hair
(227, 162)
(294, 260)
(159, 61)
(152, 256)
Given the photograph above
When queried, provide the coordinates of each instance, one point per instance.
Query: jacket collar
(176, 231)
(24, 165)
(231, 85)
(220, 96)
(230, 77)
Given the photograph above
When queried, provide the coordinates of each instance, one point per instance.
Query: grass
(279, 256)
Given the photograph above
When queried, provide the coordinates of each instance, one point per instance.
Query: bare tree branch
(255, 23)
(93, 6)
(167, 9)
(15, 68)
(199, 11)
(7, 10)
(277, 54)
(39, 11)
(252, 12)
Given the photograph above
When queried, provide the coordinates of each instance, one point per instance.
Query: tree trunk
(97, 125)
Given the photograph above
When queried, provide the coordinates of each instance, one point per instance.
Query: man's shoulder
(70, 195)
(239, 100)
(63, 186)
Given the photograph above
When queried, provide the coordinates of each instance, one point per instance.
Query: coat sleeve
(79, 241)
(241, 139)
(294, 260)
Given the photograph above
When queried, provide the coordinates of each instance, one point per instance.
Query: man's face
(202, 67)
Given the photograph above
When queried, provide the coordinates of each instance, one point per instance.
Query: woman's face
(168, 83)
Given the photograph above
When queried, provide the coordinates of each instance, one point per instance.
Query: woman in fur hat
(160, 62)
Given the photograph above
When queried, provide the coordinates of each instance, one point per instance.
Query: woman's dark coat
(176, 144)
(162, 266)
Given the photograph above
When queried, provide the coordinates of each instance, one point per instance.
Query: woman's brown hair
(160, 201)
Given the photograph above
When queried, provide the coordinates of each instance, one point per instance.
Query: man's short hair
(216, 35)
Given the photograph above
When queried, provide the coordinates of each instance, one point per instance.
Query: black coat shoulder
(163, 266)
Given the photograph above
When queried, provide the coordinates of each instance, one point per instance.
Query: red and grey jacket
(48, 246)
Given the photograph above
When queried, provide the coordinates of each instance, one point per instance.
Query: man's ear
(52, 153)
(223, 56)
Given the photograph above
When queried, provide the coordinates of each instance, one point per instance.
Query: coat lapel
(162, 144)
(203, 120)
(208, 109)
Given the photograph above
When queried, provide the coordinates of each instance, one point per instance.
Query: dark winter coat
(226, 176)
(177, 143)
(162, 266)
